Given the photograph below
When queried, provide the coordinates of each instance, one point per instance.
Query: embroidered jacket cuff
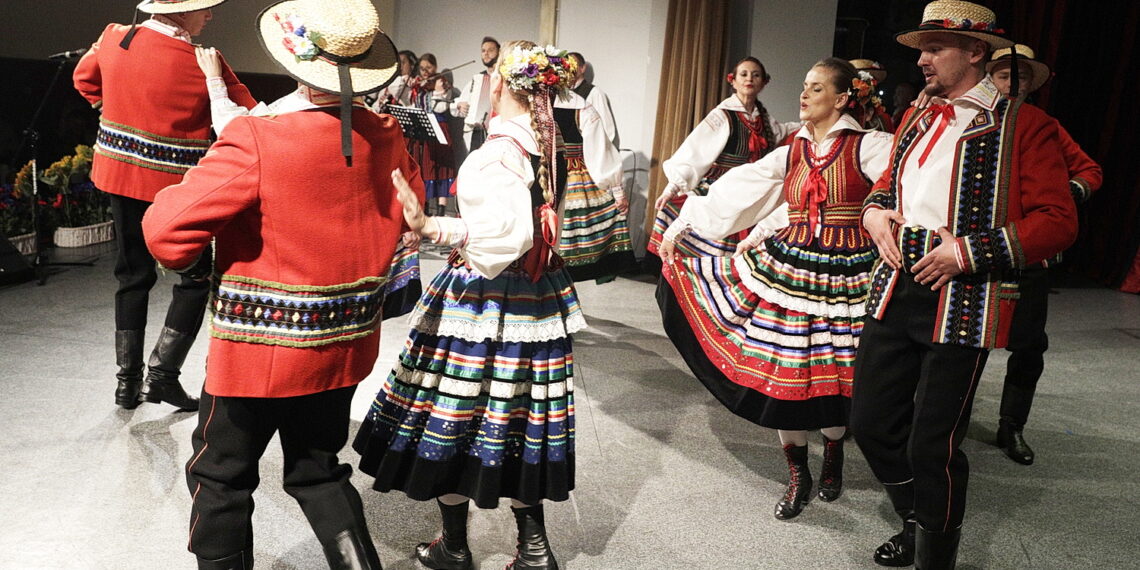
(1080, 190)
(990, 250)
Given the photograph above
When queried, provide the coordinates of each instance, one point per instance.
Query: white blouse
(701, 148)
(493, 193)
(600, 155)
(750, 192)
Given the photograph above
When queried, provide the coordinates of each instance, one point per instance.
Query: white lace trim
(796, 303)
(473, 388)
(495, 330)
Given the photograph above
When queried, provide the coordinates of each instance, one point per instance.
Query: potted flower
(16, 211)
(82, 213)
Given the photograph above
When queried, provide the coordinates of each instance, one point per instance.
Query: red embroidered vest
(838, 213)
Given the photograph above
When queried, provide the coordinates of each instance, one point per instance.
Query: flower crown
(529, 69)
(864, 90)
(299, 40)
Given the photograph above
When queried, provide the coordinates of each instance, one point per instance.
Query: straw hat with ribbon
(958, 17)
(872, 67)
(1025, 56)
(334, 46)
(176, 6)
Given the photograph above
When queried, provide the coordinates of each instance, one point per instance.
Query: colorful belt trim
(915, 242)
(148, 150)
(264, 312)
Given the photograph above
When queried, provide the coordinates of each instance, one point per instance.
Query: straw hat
(176, 6)
(1025, 56)
(312, 39)
(956, 16)
(872, 67)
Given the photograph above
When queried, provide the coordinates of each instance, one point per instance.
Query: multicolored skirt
(481, 402)
(691, 244)
(595, 235)
(403, 287)
(772, 333)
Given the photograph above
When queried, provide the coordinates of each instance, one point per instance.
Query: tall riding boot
(128, 356)
(899, 549)
(936, 550)
(164, 367)
(831, 473)
(240, 561)
(352, 549)
(799, 483)
(1015, 404)
(533, 549)
(449, 551)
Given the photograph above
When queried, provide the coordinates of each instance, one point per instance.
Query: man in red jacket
(304, 231)
(1027, 339)
(155, 125)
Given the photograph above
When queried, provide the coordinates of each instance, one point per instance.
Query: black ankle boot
(128, 357)
(898, 550)
(164, 367)
(533, 549)
(799, 483)
(352, 549)
(240, 561)
(449, 551)
(1011, 440)
(936, 550)
(831, 473)
(441, 210)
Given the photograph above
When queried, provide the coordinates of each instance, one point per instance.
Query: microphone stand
(31, 140)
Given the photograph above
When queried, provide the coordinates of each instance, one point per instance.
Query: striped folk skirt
(403, 287)
(691, 244)
(595, 235)
(481, 402)
(772, 333)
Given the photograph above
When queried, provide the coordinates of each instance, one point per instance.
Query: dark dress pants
(1027, 345)
(911, 404)
(222, 474)
(137, 273)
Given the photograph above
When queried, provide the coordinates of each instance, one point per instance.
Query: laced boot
(936, 550)
(831, 473)
(533, 549)
(898, 550)
(799, 484)
(128, 357)
(239, 561)
(352, 549)
(164, 367)
(449, 551)
(1012, 441)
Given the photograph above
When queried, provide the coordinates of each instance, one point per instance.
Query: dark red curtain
(1092, 47)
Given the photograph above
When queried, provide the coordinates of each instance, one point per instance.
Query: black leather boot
(799, 483)
(936, 550)
(831, 473)
(441, 210)
(128, 357)
(163, 369)
(1011, 440)
(240, 561)
(534, 549)
(352, 549)
(449, 551)
(898, 550)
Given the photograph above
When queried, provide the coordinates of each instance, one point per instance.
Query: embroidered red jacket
(156, 111)
(303, 244)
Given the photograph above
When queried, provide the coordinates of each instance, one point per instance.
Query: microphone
(68, 54)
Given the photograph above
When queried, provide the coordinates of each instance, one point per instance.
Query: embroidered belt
(456, 260)
(264, 312)
(148, 150)
(840, 230)
(915, 242)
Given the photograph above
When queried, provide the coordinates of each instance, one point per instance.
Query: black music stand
(417, 123)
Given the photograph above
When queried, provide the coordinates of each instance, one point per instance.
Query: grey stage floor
(666, 477)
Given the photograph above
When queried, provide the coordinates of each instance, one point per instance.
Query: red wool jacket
(303, 243)
(156, 111)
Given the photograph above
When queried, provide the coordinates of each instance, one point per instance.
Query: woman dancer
(738, 131)
(481, 404)
(433, 93)
(772, 332)
(595, 234)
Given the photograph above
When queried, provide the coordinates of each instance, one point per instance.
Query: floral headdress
(530, 69)
(865, 90)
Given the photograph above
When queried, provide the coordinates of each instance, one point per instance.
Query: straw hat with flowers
(958, 17)
(176, 6)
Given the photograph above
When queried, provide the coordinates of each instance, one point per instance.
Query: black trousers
(231, 437)
(1027, 345)
(137, 273)
(911, 404)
